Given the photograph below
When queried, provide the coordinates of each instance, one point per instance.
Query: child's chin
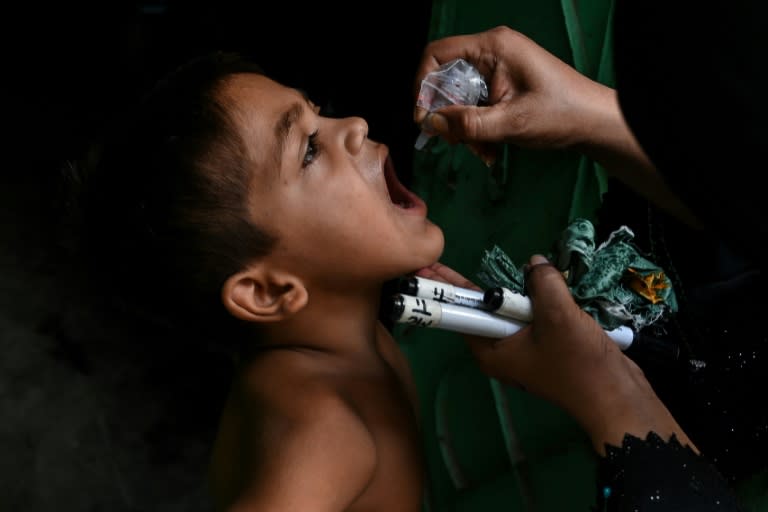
(438, 249)
(429, 261)
(425, 254)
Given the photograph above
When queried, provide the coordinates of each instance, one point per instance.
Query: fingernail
(487, 160)
(487, 156)
(538, 259)
(435, 124)
(419, 114)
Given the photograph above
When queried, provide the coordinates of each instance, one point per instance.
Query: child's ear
(261, 294)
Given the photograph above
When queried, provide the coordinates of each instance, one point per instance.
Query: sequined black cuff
(654, 475)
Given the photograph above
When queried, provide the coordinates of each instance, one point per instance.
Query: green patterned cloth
(614, 282)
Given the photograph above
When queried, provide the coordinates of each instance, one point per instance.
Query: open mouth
(398, 193)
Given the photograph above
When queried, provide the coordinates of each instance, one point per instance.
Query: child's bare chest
(379, 392)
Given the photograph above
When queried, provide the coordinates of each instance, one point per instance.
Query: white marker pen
(424, 312)
(505, 302)
(451, 317)
(441, 292)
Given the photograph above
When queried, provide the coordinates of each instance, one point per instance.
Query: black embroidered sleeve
(652, 475)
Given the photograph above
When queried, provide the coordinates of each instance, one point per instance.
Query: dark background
(101, 416)
(69, 65)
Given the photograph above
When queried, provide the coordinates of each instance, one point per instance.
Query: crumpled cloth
(614, 282)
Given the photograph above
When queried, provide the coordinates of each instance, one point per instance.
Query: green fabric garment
(489, 446)
(614, 282)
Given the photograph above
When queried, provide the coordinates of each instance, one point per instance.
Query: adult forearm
(606, 138)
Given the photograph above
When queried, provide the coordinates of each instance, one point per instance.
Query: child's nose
(356, 132)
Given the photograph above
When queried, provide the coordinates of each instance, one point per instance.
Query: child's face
(328, 192)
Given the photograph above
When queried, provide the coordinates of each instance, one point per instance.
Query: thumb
(419, 113)
(547, 288)
(468, 124)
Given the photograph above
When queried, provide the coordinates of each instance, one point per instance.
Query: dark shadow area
(711, 389)
(105, 416)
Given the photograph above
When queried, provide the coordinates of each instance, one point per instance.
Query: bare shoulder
(308, 449)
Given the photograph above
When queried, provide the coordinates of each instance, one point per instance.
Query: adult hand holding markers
(564, 356)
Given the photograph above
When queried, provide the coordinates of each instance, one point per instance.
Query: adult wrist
(630, 406)
(603, 129)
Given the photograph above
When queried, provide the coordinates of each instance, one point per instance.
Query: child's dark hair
(165, 204)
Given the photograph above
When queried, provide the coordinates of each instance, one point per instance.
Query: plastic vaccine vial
(454, 83)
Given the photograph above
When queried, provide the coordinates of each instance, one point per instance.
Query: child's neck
(346, 324)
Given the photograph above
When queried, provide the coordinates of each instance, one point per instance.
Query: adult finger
(419, 113)
(488, 152)
(466, 123)
(546, 287)
(440, 272)
(503, 359)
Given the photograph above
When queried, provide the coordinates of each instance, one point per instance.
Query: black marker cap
(396, 307)
(493, 298)
(408, 285)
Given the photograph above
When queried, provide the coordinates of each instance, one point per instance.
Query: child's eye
(313, 149)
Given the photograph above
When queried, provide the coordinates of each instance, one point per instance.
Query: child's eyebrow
(287, 121)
